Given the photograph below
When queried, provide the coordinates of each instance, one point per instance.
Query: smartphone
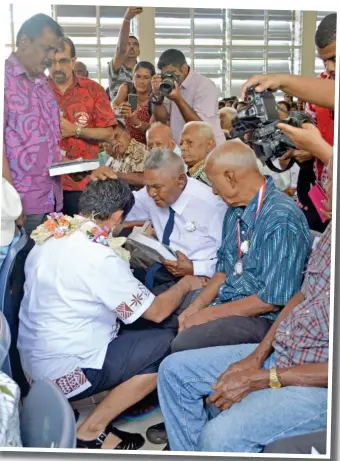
(133, 101)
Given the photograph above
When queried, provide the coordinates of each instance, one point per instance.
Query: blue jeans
(185, 379)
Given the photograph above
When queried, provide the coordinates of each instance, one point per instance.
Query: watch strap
(274, 382)
(78, 131)
(157, 100)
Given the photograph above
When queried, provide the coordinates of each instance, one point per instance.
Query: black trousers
(225, 331)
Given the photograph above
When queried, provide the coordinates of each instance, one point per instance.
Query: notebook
(73, 166)
(151, 247)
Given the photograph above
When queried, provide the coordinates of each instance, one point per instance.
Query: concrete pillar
(308, 46)
(146, 34)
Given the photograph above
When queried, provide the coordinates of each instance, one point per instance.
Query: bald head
(202, 129)
(234, 174)
(160, 135)
(233, 154)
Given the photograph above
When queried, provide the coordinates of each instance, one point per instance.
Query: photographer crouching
(181, 95)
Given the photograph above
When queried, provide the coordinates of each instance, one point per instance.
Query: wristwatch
(78, 131)
(274, 382)
(156, 100)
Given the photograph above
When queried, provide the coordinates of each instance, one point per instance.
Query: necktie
(169, 227)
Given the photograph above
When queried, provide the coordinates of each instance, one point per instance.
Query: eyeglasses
(62, 62)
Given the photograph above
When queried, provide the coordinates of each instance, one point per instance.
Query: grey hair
(160, 158)
(234, 153)
(159, 124)
(205, 129)
(232, 113)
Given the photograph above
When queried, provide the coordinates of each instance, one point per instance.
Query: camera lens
(166, 87)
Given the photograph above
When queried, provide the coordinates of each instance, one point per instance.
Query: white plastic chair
(47, 419)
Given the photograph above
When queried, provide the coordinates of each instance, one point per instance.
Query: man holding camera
(181, 95)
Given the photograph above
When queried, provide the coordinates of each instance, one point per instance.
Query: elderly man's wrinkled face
(120, 142)
(160, 137)
(163, 186)
(194, 146)
(223, 183)
(226, 121)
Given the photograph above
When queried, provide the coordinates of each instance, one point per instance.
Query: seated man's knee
(223, 433)
(187, 340)
(179, 344)
(170, 368)
(214, 437)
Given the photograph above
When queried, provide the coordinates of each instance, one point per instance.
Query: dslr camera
(168, 83)
(257, 127)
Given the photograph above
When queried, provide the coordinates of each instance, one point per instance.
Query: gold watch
(274, 382)
(78, 131)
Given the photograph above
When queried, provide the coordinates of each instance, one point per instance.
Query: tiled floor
(140, 426)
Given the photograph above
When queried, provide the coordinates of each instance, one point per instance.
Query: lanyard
(260, 200)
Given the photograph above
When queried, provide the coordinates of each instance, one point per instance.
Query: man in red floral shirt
(86, 115)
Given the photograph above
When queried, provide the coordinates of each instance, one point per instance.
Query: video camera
(257, 127)
(168, 83)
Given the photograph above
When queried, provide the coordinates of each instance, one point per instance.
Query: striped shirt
(117, 78)
(303, 337)
(279, 249)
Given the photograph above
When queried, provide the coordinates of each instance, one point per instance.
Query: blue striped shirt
(279, 249)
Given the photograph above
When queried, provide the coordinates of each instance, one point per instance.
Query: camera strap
(272, 167)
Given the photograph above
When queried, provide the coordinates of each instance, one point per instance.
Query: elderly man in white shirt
(85, 322)
(186, 216)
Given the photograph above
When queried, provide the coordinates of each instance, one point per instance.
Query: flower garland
(59, 225)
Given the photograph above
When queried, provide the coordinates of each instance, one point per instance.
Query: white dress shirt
(281, 180)
(74, 292)
(197, 230)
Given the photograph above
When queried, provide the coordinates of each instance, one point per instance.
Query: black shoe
(128, 441)
(167, 447)
(157, 434)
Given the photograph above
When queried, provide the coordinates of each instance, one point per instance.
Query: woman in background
(137, 121)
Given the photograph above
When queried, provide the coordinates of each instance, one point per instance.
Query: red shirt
(324, 119)
(84, 103)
